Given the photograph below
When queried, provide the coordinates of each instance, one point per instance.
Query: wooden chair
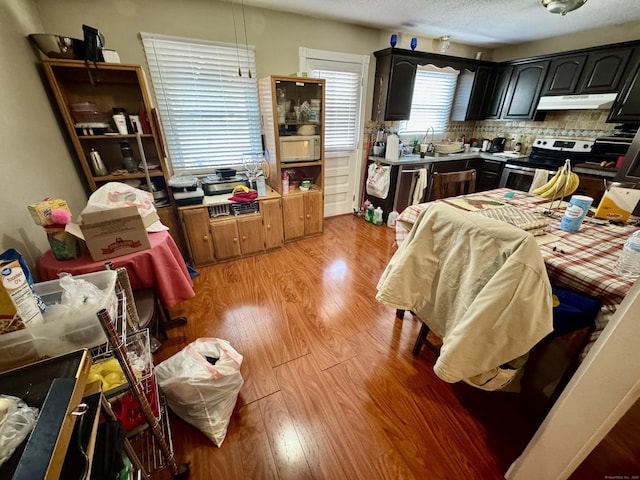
(453, 184)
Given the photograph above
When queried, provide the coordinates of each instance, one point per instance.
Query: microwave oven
(300, 148)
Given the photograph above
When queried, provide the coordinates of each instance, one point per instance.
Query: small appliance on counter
(220, 184)
(190, 197)
(183, 183)
(497, 145)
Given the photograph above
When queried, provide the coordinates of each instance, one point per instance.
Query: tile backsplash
(577, 124)
(570, 124)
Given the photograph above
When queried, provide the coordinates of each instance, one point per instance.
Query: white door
(346, 80)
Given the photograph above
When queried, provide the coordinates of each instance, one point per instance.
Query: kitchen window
(433, 93)
(207, 97)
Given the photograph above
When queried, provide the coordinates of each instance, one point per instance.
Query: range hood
(602, 101)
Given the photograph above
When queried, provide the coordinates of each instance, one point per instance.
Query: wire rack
(151, 440)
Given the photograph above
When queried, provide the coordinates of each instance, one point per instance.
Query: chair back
(453, 184)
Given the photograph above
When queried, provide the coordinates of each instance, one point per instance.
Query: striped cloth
(580, 261)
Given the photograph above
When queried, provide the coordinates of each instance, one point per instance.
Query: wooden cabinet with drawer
(220, 238)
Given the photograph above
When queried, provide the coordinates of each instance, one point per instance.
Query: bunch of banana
(563, 183)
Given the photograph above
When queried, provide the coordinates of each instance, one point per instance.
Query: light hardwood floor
(331, 389)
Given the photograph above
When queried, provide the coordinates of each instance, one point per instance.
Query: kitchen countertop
(447, 157)
(588, 168)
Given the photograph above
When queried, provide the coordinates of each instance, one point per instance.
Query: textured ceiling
(489, 23)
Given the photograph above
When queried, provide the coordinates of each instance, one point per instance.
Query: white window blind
(433, 93)
(343, 75)
(341, 108)
(210, 114)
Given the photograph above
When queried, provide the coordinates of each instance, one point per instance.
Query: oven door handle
(519, 168)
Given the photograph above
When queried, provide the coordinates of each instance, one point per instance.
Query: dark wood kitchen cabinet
(393, 88)
(498, 91)
(564, 74)
(604, 71)
(524, 89)
(626, 108)
(598, 71)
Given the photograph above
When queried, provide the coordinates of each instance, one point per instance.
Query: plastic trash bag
(378, 180)
(201, 384)
(17, 419)
(78, 296)
(117, 195)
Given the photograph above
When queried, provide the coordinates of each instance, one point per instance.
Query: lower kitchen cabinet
(302, 214)
(487, 173)
(226, 237)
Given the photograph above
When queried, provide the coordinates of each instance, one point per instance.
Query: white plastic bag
(201, 384)
(117, 195)
(378, 180)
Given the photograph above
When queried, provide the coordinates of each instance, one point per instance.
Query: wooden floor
(331, 388)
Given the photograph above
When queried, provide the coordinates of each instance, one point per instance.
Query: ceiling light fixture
(444, 43)
(562, 6)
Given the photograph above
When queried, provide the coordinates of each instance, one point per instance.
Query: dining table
(581, 261)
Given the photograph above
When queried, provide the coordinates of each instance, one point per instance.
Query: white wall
(35, 161)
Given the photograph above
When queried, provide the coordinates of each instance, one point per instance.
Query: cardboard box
(115, 232)
(617, 204)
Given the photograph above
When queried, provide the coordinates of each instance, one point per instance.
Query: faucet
(424, 139)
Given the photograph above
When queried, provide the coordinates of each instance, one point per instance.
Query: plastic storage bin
(64, 335)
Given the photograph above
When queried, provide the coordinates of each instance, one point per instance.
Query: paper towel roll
(393, 146)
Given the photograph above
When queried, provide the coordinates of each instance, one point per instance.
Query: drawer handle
(244, 238)
(308, 215)
(268, 227)
(205, 237)
(301, 217)
(235, 239)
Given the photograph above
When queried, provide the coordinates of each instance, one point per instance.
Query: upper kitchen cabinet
(597, 71)
(393, 88)
(524, 90)
(604, 70)
(498, 90)
(473, 95)
(564, 74)
(626, 108)
(395, 78)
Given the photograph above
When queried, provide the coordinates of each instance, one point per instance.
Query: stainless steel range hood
(601, 101)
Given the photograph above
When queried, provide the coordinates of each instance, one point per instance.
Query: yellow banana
(540, 190)
(574, 182)
(556, 188)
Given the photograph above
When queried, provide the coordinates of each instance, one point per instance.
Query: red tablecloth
(161, 267)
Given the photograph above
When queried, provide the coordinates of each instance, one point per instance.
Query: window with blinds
(433, 94)
(343, 74)
(207, 101)
(342, 101)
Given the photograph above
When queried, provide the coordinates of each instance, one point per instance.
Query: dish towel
(421, 184)
(540, 177)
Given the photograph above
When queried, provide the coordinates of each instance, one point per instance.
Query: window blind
(342, 102)
(433, 93)
(210, 114)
